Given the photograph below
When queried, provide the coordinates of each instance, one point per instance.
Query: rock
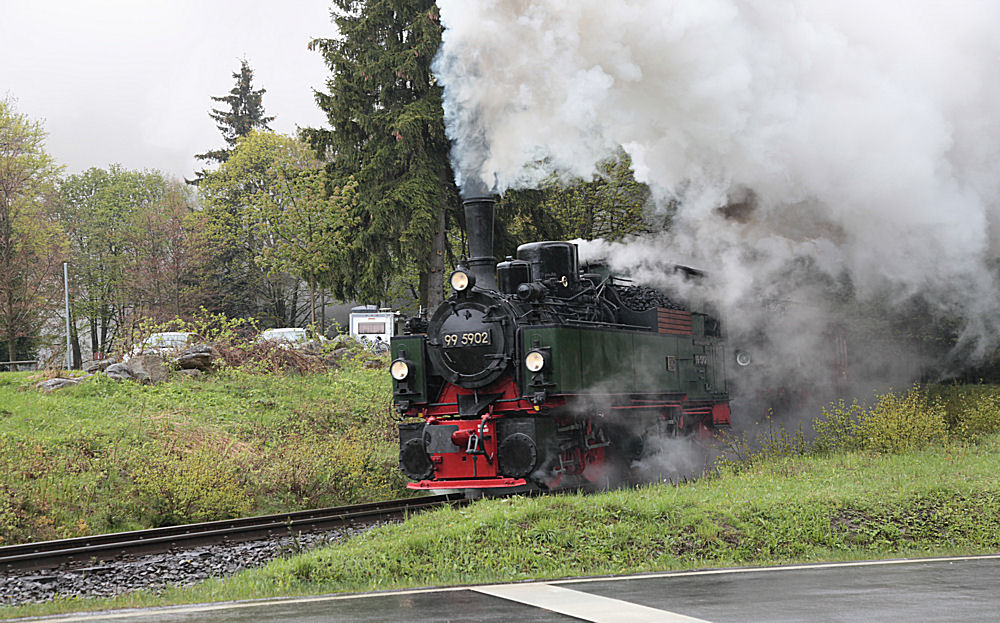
(341, 339)
(57, 383)
(191, 373)
(97, 365)
(197, 357)
(118, 372)
(373, 364)
(342, 353)
(147, 369)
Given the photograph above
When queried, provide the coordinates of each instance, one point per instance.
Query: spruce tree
(245, 113)
(387, 130)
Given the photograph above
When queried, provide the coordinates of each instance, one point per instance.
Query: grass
(106, 456)
(910, 475)
(842, 506)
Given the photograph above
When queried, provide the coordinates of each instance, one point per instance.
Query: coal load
(643, 298)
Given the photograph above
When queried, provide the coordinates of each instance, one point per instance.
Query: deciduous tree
(31, 242)
(309, 223)
(134, 246)
(275, 220)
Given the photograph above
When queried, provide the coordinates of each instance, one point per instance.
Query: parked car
(164, 344)
(292, 337)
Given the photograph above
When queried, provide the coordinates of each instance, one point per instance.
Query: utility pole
(69, 350)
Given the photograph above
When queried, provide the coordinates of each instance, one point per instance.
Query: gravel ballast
(152, 572)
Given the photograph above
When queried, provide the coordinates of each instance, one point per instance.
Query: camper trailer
(373, 327)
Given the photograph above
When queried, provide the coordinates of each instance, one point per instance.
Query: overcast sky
(130, 81)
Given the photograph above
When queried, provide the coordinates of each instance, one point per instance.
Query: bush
(188, 488)
(742, 452)
(308, 471)
(980, 418)
(895, 423)
(971, 411)
(900, 423)
(837, 429)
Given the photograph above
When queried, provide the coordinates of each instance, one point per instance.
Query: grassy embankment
(107, 456)
(910, 476)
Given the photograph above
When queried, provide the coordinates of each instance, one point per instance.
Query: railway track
(103, 547)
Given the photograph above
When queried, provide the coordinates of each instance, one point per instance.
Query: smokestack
(479, 227)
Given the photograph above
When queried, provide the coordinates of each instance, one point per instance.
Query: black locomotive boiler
(535, 373)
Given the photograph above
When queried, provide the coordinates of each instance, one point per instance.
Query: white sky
(130, 81)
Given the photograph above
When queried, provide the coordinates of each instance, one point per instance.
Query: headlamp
(743, 358)
(461, 280)
(534, 361)
(399, 370)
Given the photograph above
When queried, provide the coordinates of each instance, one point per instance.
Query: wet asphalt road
(924, 591)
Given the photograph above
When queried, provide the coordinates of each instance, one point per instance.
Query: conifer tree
(245, 112)
(387, 130)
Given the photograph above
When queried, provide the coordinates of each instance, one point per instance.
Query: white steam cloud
(863, 137)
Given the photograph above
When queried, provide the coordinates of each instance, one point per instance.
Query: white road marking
(594, 608)
(233, 605)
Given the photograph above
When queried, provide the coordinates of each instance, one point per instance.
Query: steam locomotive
(538, 373)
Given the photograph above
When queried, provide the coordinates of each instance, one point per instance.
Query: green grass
(909, 475)
(107, 456)
(939, 501)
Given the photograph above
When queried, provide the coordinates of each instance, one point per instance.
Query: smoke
(813, 151)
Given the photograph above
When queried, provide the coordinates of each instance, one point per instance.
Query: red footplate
(486, 483)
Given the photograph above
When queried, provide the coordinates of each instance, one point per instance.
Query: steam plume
(861, 140)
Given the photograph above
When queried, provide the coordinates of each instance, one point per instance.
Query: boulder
(118, 372)
(56, 383)
(197, 357)
(341, 339)
(192, 373)
(342, 353)
(97, 365)
(147, 369)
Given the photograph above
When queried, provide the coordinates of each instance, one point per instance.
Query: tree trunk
(312, 302)
(94, 346)
(322, 311)
(11, 348)
(74, 336)
(422, 287)
(293, 308)
(435, 277)
(105, 321)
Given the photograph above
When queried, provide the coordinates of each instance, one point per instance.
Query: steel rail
(102, 547)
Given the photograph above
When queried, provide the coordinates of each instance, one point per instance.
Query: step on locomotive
(537, 373)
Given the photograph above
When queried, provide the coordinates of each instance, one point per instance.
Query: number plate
(468, 338)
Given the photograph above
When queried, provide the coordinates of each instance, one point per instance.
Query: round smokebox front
(470, 341)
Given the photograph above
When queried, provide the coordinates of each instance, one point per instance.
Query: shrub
(213, 328)
(895, 423)
(309, 471)
(186, 488)
(838, 428)
(742, 452)
(980, 418)
(900, 423)
(971, 411)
